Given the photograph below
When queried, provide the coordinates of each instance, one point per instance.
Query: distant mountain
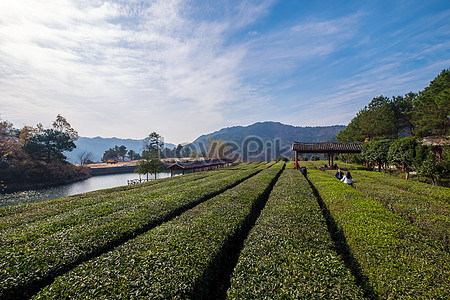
(273, 137)
(99, 145)
(262, 138)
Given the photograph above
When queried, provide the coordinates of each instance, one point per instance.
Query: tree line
(117, 153)
(36, 154)
(394, 129)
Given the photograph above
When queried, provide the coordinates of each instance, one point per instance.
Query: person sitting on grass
(339, 174)
(347, 178)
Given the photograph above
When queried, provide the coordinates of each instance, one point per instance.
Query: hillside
(265, 131)
(269, 132)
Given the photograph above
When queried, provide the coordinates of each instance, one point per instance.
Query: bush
(179, 259)
(398, 260)
(427, 210)
(436, 171)
(289, 253)
(34, 252)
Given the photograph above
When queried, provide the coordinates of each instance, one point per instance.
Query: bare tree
(84, 157)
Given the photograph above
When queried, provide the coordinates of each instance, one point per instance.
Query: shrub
(38, 251)
(398, 260)
(289, 253)
(179, 259)
(425, 211)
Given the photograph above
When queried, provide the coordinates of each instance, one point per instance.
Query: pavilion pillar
(329, 156)
(332, 159)
(296, 160)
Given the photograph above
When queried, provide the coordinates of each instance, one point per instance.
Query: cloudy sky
(185, 68)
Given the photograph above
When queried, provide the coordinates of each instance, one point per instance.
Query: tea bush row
(179, 259)
(289, 253)
(26, 265)
(18, 214)
(430, 214)
(425, 212)
(439, 193)
(398, 260)
(112, 204)
(22, 214)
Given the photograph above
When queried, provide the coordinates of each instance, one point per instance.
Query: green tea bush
(38, 251)
(179, 259)
(289, 253)
(428, 213)
(32, 211)
(398, 260)
(100, 203)
(439, 193)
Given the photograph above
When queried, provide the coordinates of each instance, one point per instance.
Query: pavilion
(200, 165)
(330, 149)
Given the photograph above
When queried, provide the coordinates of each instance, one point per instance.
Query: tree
(376, 152)
(49, 145)
(178, 151)
(217, 149)
(8, 140)
(186, 151)
(352, 132)
(375, 120)
(61, 125)
(194, 154)
(131, 154)
(122, 152)
(151, 158)
(402, 152)
(315, 158)
(434, 170)
(403, 110)
(111, 154)
(431, 114)
(149, 164)
(85, 157)
(153, 144)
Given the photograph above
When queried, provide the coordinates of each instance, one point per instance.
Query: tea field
(250, 231)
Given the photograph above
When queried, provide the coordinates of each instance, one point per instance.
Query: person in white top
(347, 178)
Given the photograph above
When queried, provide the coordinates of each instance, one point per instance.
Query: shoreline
(22, 187)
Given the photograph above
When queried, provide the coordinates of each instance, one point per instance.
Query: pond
(91, 184)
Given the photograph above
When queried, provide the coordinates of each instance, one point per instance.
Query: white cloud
(181, 68)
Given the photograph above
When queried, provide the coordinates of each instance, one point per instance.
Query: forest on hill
(410, 131)
(422, 114)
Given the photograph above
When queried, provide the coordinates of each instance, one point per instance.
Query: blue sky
(187, 68)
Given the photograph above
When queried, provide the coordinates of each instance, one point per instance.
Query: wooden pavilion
(200, 165)
(330, 149)
(437, 144)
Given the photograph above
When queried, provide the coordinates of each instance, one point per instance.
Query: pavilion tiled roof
(201, 164)
(436, 141)
(327, 147)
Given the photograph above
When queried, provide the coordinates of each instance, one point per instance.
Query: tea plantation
(251, 231)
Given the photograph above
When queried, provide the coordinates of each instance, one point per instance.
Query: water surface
(91, 184)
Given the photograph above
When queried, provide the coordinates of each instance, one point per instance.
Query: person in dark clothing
(304, 171)
(339, 174)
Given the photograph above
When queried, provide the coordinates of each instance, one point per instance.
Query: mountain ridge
(283, 135)
(271, 139)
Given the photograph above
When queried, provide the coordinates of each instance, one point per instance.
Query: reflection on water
(88, 185)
